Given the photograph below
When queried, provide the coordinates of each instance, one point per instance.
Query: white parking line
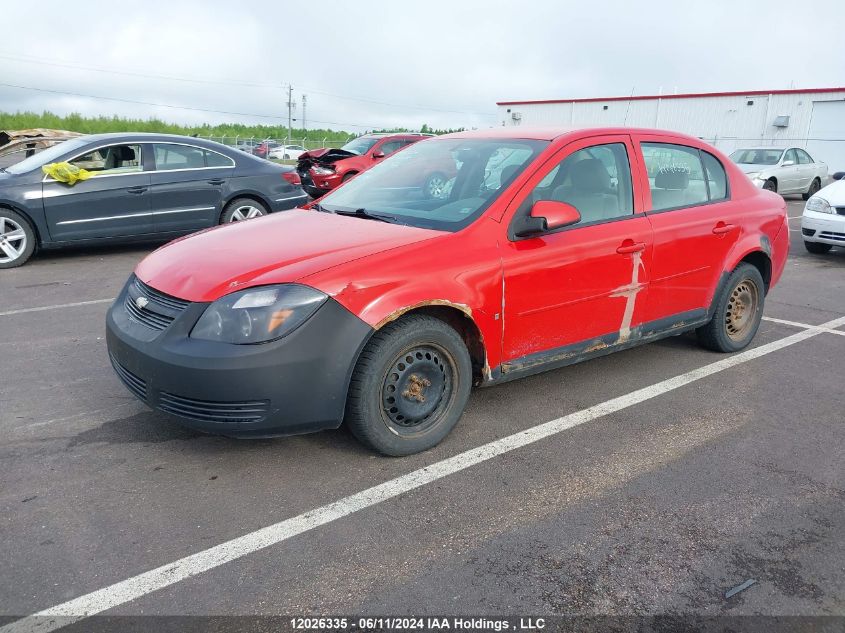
(805, 326)
(133, 588)
(56, 307)
(795, 217)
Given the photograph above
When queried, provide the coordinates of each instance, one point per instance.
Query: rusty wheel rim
(417, 389)
(742, 309)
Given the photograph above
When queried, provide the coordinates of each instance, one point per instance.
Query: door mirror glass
(788, 163)
(556, 214)
(839, 175)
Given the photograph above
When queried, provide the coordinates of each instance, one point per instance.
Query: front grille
(157, 310)
(135, 384)
(152, 320)
(159, 297)
(210, 411)
(808, 232)
(832, 235)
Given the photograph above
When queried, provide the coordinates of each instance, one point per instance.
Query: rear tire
(813, 190)
(737, 313)
(17, 239)
(817, 248)
(241, 209)
(410, 386)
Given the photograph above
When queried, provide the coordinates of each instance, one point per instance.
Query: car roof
(148, 137)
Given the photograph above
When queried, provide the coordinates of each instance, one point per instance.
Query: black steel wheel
(770, 185)
(410, 386)
(813, 190)
(737, 312)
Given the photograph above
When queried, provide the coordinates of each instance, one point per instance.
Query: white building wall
(726, 121)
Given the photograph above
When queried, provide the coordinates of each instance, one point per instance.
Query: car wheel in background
(349, 176)
(737, 313)
(435, 186)
(242, 209)
(410, 386)
(286, 157)
(813, 190)
(17, 239)
(817, 248)
(770, 185)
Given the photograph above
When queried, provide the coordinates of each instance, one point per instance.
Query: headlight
(323, 171)
(819, 205)
(257, 315)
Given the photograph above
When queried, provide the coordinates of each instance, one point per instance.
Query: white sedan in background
(286, 152)
(823, 221)
(789, 170)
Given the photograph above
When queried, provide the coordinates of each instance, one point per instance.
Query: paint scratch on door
(630, 292)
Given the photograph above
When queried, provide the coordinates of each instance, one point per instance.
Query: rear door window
(676, 176)
(169, 156)
(717, 180)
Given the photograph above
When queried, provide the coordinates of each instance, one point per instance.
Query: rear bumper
(290, 202)
(825, 228)
(297, 384)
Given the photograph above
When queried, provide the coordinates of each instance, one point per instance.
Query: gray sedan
(142, 186)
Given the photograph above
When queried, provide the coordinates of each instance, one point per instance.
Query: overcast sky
(444, 63)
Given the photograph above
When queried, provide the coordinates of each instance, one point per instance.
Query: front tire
(410, 386)
(813, 190)
(738, 312)
(17, 239)
(817, 248)
(770, 185)
(241, 209)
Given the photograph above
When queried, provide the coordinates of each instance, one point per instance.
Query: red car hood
(279, 248)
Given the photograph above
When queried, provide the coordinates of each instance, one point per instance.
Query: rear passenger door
(789, 178)
(188, 186)
(694, 223)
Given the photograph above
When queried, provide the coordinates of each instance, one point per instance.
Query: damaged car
(380, 308)
(321, 170)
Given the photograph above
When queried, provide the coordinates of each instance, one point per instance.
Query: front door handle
(216, 181)
(721, 228)
(137, 190)
(630, 246)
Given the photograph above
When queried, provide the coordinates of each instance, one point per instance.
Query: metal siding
(726, 121)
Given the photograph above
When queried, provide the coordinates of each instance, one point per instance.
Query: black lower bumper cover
(297, 384)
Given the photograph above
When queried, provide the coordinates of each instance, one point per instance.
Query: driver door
(113, 202)
(584, 286)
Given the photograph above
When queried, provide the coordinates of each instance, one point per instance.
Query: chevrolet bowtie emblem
(141, 302)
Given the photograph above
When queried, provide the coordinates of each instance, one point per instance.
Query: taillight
(292, 177)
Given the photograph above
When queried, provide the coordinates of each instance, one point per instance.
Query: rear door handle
(137, 190)
(630, 246)
(216, 181)
(721, 228)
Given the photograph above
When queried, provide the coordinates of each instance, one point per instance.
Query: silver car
(784, 170)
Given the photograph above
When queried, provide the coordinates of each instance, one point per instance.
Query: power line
(30, 59)
(178, 107)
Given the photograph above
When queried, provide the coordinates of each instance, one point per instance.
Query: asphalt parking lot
(658, 498)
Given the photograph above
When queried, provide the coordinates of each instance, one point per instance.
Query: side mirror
(787, 163)
(839, 175)
(547, 215)
(378, 155)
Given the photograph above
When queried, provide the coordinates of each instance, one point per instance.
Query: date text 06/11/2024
(386, 623)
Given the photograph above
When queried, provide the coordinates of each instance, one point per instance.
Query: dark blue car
(142, 186)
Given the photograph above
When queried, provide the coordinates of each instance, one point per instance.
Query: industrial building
(813, 119)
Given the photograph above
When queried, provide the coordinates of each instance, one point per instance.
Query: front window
(114, 159)
(757, 156)
(442, 184)
(46, 156)
(361, 145)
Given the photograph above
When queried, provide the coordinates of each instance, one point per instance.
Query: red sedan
(381, 307)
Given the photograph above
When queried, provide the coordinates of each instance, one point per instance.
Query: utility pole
(290, 111)
(304, 120)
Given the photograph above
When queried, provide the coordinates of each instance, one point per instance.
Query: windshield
(441, 184)
(46, 156)
(361, 145)
(757, 156)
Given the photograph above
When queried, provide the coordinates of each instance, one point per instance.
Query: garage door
(827, 134)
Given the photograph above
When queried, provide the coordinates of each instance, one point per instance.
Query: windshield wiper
(368, 215)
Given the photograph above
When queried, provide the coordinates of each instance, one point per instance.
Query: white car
(287, 152)
(823, 221)
(783, 170)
